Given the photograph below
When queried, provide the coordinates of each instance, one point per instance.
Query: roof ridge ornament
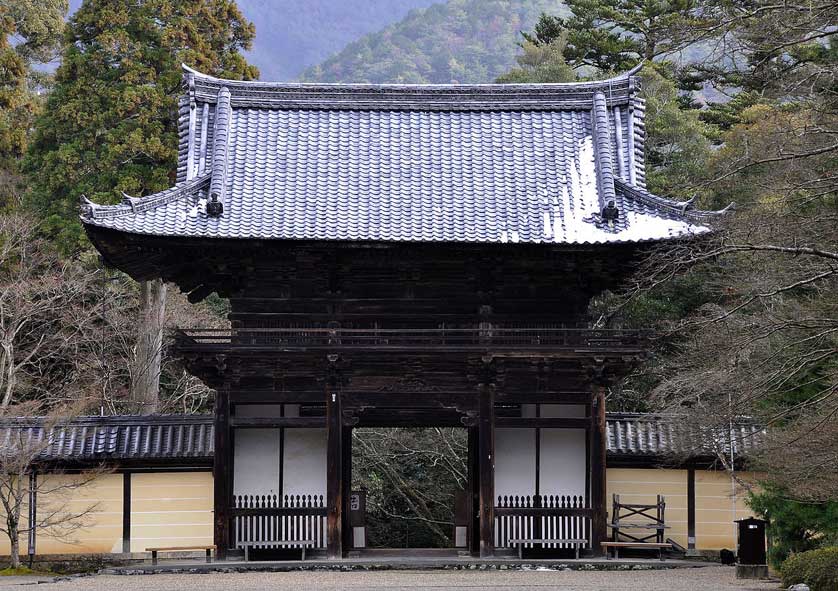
(221, 135)
(609, 212)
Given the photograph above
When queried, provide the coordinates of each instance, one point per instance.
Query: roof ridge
(682, 208)
(193, 76)
(130, 205)
(204, 88)
(220, 144)
(602, 152)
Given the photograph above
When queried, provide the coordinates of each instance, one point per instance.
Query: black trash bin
(751, 558)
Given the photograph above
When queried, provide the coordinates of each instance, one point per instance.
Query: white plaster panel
(256, 462)
(514, 462)
(305, 462)
(562, 462)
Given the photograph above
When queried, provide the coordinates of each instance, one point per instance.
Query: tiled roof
(482, 163)
(176, 438)
(648, 435)
(188, 439)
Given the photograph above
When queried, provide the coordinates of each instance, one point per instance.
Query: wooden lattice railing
(201, 339)
(271, 520)
(541, 517)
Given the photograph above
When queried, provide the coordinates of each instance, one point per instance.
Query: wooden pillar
(486, 465)
(222, 473)
(33, 515)
(691, 551)
(473, 492)
(599, 528)
(346, 449)
(334, 473)
(126, 512)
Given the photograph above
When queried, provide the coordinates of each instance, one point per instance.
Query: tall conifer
(110, 125)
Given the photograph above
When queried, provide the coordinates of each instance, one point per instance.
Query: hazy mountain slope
(292, 35)
(468, 41)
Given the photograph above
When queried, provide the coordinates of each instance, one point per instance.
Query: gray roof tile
(483, 163)
(189, 438)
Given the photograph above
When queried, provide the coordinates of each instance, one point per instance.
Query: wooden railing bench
(660, 547)
(301, 544)
(208, 549)
(521, 542)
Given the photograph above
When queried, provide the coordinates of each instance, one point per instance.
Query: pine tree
(110, 125)
(615, 35)
(542, 63)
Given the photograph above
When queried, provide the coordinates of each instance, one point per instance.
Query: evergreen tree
(614, 35)
(110, 124)
(540, 64)
(29, 32)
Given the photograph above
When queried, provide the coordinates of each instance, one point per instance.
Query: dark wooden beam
(394, 399)
(334, 473)
(33, 515)
(126, 512)
(691, 510)
(278, 422)
(276, 397)
(541, 423)
(222, 474)
(555, 397)
(346, 478)
(486, 462)
(473, 488)
(431, 400)
(599, 528)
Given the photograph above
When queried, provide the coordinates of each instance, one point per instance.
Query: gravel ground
(711, 578)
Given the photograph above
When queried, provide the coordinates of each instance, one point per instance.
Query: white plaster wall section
(563, 451)
(256, 462)
(256, 454)
(304, 468)
(514, 462)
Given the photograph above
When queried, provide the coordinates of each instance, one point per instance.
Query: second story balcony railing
(488, 339)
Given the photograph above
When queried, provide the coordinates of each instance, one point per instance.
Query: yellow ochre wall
(100, 500)
(170, 509)
(641, 486)
(718, 502)
(175, 508)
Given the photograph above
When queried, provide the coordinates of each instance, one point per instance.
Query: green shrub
(793, 526)
(816, 568)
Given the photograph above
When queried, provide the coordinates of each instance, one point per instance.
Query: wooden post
(334, 473)
(486, 463)
(126, 512)
(346, 446)
(222, 473)
(33, 514)
(473, 492)
(691, 551)
(599, 528)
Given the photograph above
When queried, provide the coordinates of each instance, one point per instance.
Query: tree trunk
(145, 384)
(14, 547)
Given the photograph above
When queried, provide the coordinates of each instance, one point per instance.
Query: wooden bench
(576, 543)
(208, 549)
(660, 547)
(301, 544)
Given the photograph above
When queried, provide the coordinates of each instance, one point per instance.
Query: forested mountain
(467, 41)
(292, 35)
